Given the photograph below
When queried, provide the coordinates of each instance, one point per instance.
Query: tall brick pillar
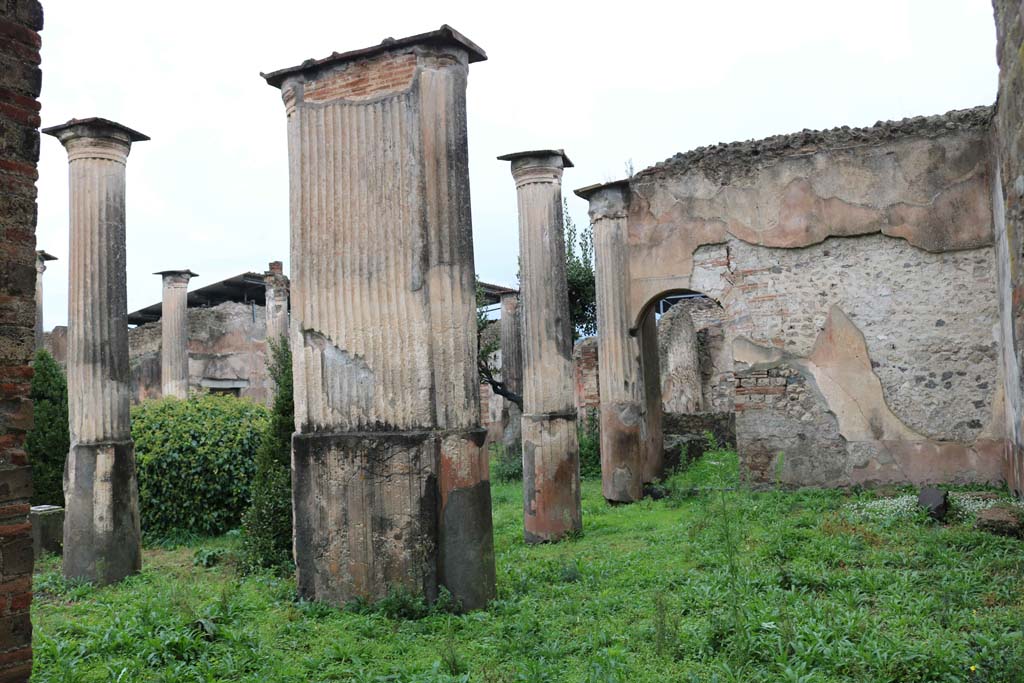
(551, 459)
(41, 258)
(390, 480)
(623, 399)
(20, 22)
(512, 369)
(276, 310)
(101, 524)
(174, 332)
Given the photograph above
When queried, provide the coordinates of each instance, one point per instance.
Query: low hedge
(195, 460)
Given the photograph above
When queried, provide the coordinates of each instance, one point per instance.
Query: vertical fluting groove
(97, 376)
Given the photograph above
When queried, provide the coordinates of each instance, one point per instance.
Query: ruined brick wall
(1008, 212)
(20, 79)
(227, 349)
(856, 272)
(587, 383)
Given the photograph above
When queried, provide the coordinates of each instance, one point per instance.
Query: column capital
(41, 258)
(95, 138)
(537, 166)
(607, 200)
(174, 278)
(311, 69)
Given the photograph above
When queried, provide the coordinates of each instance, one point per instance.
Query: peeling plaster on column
(390, 477)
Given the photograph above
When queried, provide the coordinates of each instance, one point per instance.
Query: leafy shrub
(506, 465)
(267, 524)
(47, 443)
(195, 459)
(590, 447)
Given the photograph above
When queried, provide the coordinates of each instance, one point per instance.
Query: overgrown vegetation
(589, 437)
(195, 461)
(47, 443)
(713, 583)
(267, 524)
(506, 464)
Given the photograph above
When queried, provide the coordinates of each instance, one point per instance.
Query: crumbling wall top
(722, 160)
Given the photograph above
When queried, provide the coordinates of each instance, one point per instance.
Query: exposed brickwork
(382, 75)
(20, 80)
(587, 393)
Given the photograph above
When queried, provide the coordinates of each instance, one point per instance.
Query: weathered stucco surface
(925, 180)
(859, 263)
(390, 477)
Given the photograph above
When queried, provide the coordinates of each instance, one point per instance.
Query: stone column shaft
(174, 333)
(101, 529)
(623, 400)
(650, 366)
(512, 369)
(277, 289)
(41, 258)
(390, 480)
(551, 466)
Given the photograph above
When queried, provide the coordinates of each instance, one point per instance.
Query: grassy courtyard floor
(701, 586)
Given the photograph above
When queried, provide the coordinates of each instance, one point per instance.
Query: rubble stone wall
(20, 80)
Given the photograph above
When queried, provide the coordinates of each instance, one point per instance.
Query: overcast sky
(608, 83)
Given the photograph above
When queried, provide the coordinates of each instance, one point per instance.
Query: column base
(370, 516)
(102, 538)
(551, 477)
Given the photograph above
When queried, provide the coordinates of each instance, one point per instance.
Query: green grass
(706, 585)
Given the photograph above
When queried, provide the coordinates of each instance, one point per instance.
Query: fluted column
(623, 400)
(390, 480)
(101, 528)
(41, 258)
(276, 310)
(174, 332)
(551, 463)
(512, 369)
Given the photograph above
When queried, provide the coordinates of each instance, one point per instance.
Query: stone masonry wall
(20, 80)
(857, 276)
(1008, 210)
(227, 348)
(927, 323)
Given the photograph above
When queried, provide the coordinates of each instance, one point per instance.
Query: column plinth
(174, 332)
(551, 464)
(391, 483)
(101, 528)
